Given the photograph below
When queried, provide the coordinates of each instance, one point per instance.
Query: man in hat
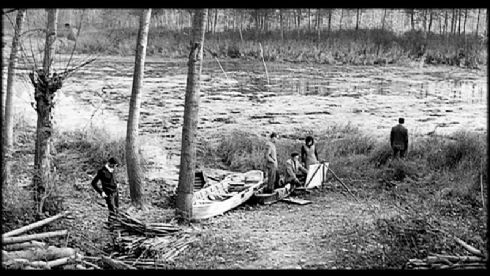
(295, 172)
(109, 186)
(399, 139)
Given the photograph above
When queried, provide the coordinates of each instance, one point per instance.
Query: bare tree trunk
(440, 24)
(298, 18)
(357, 19)
(44, 94)
(430, 20)
(318, 26)
(341, 17)
(185, 189)
(208, 25)
(445, 22)
(453, 21)
(477, 23)
(215, 20)
(281, 24)
(240, 27)
(464, 24)
(459, 21)
(8, 127)
(135, 174)
(257, 27)
(329, 20)
(309, 20)
(412, 19)
(383, 20)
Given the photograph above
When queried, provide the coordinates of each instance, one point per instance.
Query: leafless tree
(191, 109)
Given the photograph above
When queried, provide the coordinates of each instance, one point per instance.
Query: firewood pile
(150, 252)
(477, 260)
(438, 261)
(124, 224)
(144, 246)
(27, 252)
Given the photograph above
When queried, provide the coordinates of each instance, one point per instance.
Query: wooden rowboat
(269, 198)
(232, 191)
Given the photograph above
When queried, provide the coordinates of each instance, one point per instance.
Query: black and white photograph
(244, 138)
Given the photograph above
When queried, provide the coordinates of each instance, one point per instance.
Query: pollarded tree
(47, 82)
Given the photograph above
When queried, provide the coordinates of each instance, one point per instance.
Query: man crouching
(295, 171)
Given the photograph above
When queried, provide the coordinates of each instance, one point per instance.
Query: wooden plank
(296, 201)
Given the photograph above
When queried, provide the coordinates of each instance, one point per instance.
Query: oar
(334, 175)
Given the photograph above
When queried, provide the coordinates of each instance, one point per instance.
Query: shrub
(380, 155)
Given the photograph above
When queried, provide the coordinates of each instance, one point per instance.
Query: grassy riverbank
(438, 184)
(354, 47)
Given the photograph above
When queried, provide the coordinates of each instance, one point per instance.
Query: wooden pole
(263, 61)
(9, 240)
(338, 179)
(481, 184)
(34, 225)
(221, 67)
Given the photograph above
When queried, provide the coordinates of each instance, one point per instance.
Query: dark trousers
(272, 177)
(112, 201)
(301, 178)
(399, 152)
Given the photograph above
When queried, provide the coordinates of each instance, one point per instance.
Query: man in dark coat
(109, 186)
(399, 139)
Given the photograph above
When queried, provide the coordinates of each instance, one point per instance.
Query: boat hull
(233, 191)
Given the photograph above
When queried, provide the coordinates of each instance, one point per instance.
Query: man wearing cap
(296, 173)
(109, 186)
(399, 139)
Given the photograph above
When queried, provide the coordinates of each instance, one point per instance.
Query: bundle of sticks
(27, 252)
(161, 248)
(438, 261)
(477, 260)
(144, 245)
(124, 224)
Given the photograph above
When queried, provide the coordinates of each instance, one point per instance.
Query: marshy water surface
(296, 97)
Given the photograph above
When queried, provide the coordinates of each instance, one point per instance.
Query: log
(469, 248)
(460, 258)
(53, 263)
(36, 254)
(34, 225)
(9, 240)
(115, 264)
(91, 264)
(15, 263)
(24, 245)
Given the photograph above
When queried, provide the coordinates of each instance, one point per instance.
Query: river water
(290, 98)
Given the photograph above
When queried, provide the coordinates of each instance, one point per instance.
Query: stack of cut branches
(151, 252)
(26, 252)
(438, 261)
(145, 245)
(477, 260)
(124, 224)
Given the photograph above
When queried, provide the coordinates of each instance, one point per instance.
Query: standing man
(399, 139)
(271, 163)
(109, 186)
